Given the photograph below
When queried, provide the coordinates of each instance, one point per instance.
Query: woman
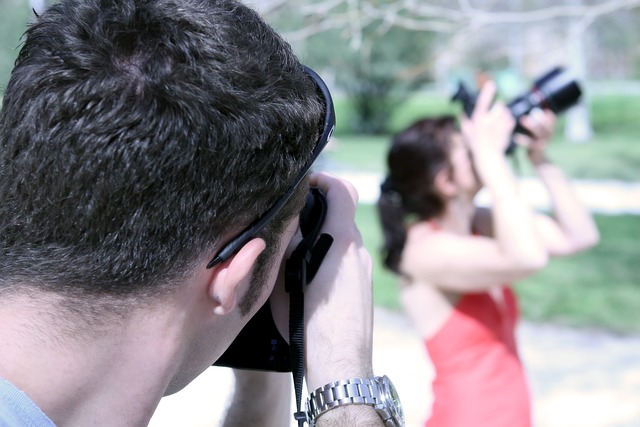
(456, 261)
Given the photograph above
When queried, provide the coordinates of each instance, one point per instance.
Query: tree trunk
(578, 124)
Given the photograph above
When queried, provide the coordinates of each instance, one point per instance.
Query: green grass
(385, 290)
(611, 154)
(599, 288)
(615, 155)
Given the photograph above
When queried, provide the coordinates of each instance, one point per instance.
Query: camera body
(555, 90)
(259, 345)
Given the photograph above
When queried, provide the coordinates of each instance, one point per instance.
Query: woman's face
(463, 172)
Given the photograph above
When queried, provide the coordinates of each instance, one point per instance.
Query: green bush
(614, 113)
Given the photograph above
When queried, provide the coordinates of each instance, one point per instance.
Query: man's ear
(444, 183)
(224, 285)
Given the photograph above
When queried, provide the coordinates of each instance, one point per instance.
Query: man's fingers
(340, 193)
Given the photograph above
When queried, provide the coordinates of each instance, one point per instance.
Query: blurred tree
(467, 20)
(373, 72)
(369, 59)
(529, 36)
(379, 50)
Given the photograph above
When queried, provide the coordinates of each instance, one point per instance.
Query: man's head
(137, 134)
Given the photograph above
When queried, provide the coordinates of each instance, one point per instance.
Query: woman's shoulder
(429, 246)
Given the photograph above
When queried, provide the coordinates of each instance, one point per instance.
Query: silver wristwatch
(378, 392)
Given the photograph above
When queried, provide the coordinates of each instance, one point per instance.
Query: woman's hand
(490, 126)
(541, 125)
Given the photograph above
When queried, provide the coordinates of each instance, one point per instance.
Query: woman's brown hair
(416, 155)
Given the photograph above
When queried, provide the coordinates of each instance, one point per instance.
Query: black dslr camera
(260, 346)
(556, 90)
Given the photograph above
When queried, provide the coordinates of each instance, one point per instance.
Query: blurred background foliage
(378, 52)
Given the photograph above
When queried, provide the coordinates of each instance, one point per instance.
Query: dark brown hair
(134, 134)
(416, 155)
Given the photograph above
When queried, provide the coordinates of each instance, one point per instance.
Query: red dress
(480, 381)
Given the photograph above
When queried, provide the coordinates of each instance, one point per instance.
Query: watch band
(354, 391)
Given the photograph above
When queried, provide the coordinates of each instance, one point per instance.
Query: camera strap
(300, 269)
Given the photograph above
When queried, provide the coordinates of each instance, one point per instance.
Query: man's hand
(338, 306)
(338, 302)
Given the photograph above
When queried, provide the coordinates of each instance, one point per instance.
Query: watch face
(393, 401)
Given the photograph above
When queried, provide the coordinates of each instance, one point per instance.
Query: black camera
(556, 90)
(260, 346)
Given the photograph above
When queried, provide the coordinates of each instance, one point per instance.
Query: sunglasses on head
(258, 225)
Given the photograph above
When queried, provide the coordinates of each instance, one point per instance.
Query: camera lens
(557, 90)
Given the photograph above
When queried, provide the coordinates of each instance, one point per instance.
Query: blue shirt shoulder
(18, 410)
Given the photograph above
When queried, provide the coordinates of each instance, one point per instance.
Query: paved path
(578, 378)
(582, 378)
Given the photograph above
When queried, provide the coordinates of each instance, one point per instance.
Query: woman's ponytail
(391, 214)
